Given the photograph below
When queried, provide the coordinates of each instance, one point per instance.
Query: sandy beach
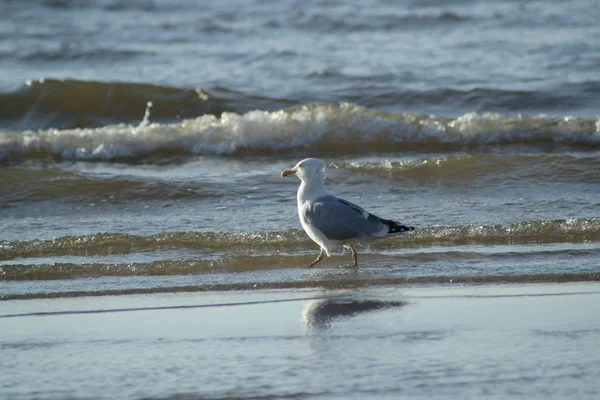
(414, 341)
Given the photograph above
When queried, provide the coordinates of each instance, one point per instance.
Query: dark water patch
(71, 52)
(567, 335)
(480, 99)
(51, 103)
(493, 168)
(108, 5)
(32, 185)
(352, 22)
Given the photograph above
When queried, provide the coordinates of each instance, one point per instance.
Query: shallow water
(420, 342)
(106, 227)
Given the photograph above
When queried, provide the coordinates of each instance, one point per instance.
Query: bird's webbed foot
(318, 260)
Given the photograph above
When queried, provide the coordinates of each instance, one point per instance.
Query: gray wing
(341, 220)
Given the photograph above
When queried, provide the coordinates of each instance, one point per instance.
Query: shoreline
(340, 282)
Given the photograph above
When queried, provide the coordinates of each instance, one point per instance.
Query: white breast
(315, 234)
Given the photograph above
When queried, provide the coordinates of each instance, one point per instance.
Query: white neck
(312, 189)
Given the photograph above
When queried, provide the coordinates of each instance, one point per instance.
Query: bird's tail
(396, 228)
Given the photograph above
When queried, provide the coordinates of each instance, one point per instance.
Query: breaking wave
(324, 129)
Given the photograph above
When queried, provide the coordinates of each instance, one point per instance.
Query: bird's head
(307, 169)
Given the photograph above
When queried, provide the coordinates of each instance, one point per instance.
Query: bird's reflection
(321, 313)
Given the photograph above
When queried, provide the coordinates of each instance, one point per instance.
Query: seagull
(332, 222)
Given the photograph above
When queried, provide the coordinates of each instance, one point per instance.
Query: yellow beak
(287, 172)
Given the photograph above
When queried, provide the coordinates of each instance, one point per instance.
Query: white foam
(344, 125)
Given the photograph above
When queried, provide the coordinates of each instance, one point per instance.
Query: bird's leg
(354, 256)
(319, 259)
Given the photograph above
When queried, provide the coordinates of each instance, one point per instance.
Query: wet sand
(441, 341)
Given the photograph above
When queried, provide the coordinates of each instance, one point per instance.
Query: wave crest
(322, 128)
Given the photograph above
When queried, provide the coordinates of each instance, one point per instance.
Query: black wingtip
(396, 227)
